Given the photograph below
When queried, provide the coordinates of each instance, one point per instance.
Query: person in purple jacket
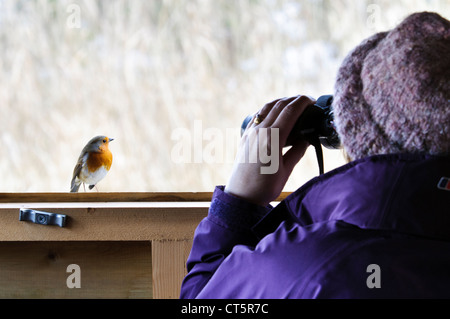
(378, 227)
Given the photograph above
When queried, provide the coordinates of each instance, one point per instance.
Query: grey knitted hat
(392, 92)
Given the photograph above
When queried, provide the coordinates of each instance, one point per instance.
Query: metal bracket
(42, 218)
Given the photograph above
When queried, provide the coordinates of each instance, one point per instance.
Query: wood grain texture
(108, 269)
(169, 267)
(106, 224)
(110, 197)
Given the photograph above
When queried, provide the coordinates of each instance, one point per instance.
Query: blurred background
(170, 80)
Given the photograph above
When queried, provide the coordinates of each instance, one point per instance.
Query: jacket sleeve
(228, 224)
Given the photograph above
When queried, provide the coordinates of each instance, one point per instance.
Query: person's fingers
(276, 109)
(294, 155)
(289, 115)
(262, 113)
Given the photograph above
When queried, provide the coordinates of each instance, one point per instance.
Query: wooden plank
(107, 269)
(105, 197)
(169, 267)
(106, 224)
(110, 197)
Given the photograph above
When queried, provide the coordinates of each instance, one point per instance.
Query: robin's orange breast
(99, 159)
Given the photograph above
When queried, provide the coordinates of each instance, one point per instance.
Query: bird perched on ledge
(93, 164)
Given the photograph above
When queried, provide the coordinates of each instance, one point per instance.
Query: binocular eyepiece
(315, 125)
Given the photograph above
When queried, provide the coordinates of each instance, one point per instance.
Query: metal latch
(42, 218)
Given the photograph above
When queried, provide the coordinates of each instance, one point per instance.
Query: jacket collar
(385, 192)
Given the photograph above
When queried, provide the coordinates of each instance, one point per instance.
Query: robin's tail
(74, 186)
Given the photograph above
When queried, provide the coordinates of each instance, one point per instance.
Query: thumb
(294, 155)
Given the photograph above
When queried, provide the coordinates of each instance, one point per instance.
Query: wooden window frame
(128, 245)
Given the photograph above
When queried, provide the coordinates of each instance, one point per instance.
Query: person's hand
(261, 170)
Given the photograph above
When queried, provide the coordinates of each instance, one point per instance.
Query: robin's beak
(111, 139)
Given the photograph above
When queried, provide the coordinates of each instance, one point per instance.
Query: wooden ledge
(104, 197)
(94, 197)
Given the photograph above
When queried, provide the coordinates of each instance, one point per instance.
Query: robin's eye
(104, 141)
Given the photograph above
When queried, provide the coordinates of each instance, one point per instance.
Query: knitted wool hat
(392, 92)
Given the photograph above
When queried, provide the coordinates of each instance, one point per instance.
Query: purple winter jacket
(375, 228)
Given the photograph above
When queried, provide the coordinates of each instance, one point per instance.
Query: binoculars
(315, 125)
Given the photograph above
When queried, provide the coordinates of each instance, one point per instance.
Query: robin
(94, 162)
